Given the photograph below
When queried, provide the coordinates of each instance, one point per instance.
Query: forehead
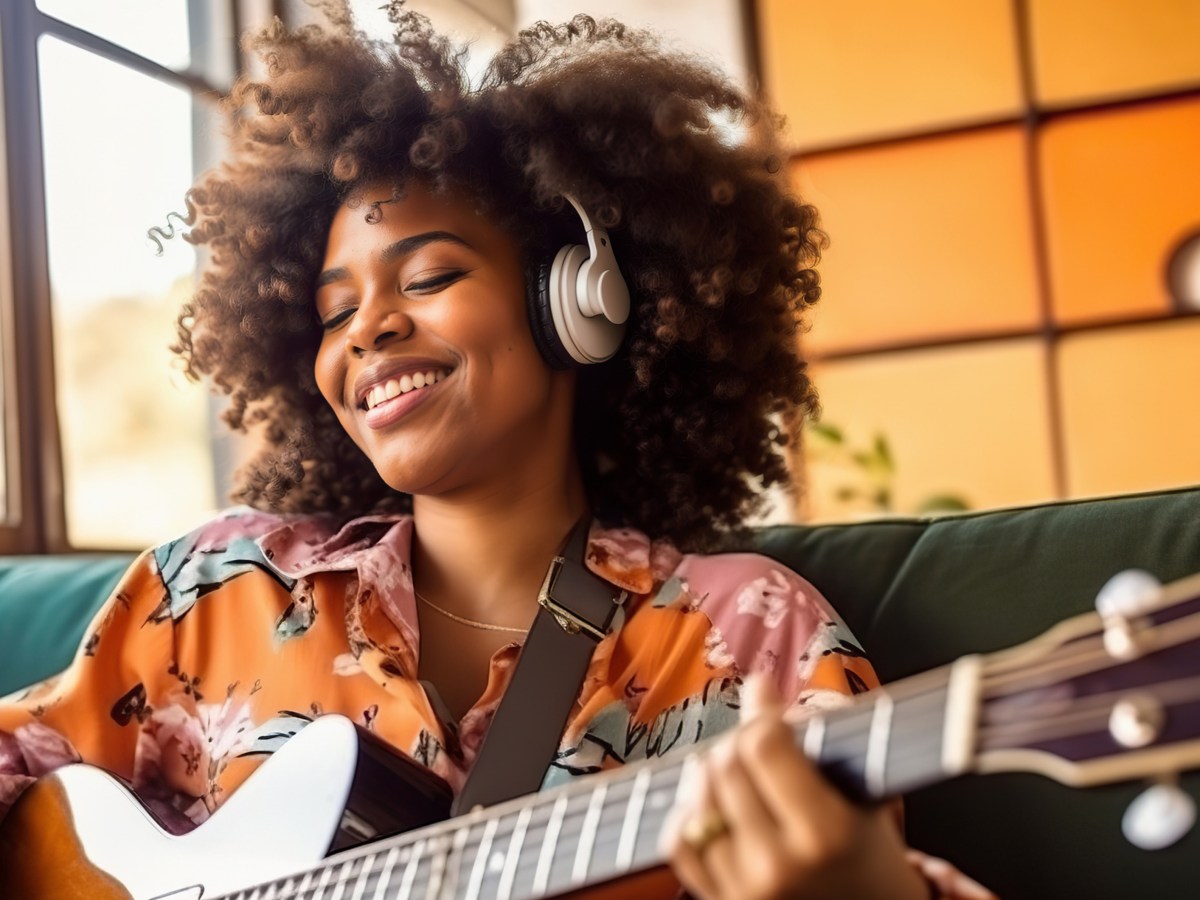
(381, 213)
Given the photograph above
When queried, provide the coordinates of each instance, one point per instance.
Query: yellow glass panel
(850, 70)
(1129, 407)
(928, 239)
(968, 421)
(1121, 192)
(1091, 49)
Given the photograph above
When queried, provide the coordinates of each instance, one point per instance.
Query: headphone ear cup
(541, 319)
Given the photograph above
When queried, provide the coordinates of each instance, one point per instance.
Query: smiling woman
(401, 269)
(431, 285)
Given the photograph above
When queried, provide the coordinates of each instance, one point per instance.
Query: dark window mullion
(41, 526)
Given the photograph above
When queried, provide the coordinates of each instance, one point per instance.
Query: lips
(391, 409)
(396, 387)
(374, 381)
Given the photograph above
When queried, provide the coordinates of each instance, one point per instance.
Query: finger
(760, 697)
(758, 856)
(719, 856)
(802, 803)
(686, 860)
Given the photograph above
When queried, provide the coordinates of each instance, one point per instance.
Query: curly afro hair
(679, 434)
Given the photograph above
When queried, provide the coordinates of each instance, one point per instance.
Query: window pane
(928, 239)
(155, 29)
(966, 422)
(1094, 49)
(1129, 407)
(845, 71)
(135, 445)
(1121, 193)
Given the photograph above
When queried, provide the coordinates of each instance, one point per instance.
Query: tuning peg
(1159, 816)
(1123, 598)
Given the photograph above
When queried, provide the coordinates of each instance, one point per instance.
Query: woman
(373, 239)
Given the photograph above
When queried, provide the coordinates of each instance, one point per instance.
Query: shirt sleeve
(94, 711)
(766, 618)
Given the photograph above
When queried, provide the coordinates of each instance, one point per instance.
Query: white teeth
(395, 387)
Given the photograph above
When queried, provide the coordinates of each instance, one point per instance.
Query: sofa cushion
(46, 603)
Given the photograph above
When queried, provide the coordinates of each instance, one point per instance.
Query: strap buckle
(568, 620)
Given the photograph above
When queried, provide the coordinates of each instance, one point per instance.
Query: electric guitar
(1106, 696)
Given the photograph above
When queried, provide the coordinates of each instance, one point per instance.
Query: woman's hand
(765, 824)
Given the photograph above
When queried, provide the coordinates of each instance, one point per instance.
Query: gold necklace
(462, 620)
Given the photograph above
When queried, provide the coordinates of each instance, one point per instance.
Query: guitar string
(853, 721)
(1090, 649)
(900, 691)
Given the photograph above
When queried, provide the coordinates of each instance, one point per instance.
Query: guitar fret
(962, 710)
(583, 855)
(325, 875)
(875, 767)
(541, 877)
(481, 859)
(453, 864)
(343, 875)
(410, 870)
(389, 864)
(633, 816)
(504, 891)
(437, 866)
(363, 875)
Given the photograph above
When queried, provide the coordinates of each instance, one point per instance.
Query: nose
(378, 321)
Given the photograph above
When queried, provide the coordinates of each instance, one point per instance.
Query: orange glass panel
(1129, 407)
(928, 239)
(845, 71)
(1091, 49)
(969, 421)
(1121, 192)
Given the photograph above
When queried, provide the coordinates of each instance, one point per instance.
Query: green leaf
(830, 433)
(943, 503)
(883, 452)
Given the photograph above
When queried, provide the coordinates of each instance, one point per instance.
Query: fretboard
(607, 826)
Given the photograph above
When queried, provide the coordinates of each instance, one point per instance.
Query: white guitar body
(267, 829)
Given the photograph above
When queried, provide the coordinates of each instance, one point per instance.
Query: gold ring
(701, 830)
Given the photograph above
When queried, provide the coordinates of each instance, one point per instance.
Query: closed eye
(337, 319)
(435, 284)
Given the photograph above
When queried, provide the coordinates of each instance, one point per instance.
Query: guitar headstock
(1107, 696)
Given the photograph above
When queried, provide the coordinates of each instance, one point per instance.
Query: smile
(405, 384)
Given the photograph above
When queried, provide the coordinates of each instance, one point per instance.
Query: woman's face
(426, 355)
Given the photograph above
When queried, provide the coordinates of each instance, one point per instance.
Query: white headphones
(579, 303)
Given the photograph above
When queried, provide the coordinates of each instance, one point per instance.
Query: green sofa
(918, 593)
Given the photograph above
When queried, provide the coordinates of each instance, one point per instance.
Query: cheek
(329, 370)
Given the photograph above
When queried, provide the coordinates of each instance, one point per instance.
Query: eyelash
(419, 287)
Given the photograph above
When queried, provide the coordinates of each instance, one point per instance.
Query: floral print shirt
(217, 647)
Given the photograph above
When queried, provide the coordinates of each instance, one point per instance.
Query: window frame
(35, 519)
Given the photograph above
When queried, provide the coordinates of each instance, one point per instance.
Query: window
(106, 122)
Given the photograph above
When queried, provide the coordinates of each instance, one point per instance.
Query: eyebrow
(402, 247)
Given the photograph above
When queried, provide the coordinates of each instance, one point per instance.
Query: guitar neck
(608, 826)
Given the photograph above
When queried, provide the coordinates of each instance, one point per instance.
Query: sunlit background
(1012, 287)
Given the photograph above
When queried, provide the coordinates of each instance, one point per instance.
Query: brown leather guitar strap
(577, 611)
